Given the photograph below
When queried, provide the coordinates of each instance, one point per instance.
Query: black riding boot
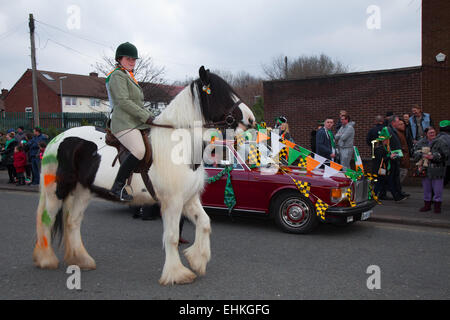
(118, 191)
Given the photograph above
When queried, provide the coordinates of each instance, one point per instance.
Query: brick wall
(436, 75)
(364, 95)
(21, 96)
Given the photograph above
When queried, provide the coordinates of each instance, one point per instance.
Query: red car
(274, 193)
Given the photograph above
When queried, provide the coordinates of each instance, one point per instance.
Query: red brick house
(366, 94)
(81, 93)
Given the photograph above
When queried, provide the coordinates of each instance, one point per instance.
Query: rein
(227, 122)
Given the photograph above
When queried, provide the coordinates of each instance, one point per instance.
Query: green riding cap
(444, 123)
(384, 134)
(126, 50)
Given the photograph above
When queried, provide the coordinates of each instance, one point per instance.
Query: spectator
(339, 123)
(432, 152)
(20, 161)
(419, 122)
(284, 131)
(406, 144)
(9, 156)
(408, 131)
(34, 153)
(279, 121)
(20, 134)
(344, 141)
(389, 114)
(373, 132)
(2, 149)
(395, 146)
(2, 139)
(381, 163)
(313, 135)
(325, 144)
(372, 136)
(28, 169)
(445, 136)
(42, 146)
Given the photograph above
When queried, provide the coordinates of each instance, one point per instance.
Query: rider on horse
(128, 115)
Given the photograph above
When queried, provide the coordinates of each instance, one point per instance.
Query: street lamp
(62, 105)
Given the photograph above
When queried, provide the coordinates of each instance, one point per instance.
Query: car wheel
(294, 213)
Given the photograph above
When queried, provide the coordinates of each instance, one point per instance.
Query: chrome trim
(224, 208)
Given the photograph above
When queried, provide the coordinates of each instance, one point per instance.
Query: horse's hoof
(45, 260)
(85, 263)
(197, 261)
(184, 276)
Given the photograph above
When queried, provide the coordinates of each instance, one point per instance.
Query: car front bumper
(345, 215)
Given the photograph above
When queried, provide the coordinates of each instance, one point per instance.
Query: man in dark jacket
(444, 134)
(394, 176)
(373, 133)
(325, 144)
(33, 147)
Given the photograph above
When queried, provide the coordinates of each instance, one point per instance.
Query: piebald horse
(78, 164)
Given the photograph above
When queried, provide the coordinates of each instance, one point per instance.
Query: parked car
(269, 191)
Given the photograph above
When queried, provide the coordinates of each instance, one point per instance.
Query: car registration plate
(366, 215)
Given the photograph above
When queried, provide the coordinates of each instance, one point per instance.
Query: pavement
(404, 212)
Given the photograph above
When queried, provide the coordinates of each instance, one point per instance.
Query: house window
(95, 102)
(70, 101)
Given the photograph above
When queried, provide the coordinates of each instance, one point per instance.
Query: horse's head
(220, 104)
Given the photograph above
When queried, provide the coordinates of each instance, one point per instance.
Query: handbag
(381, 170)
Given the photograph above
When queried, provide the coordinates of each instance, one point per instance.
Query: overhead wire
(11, 31)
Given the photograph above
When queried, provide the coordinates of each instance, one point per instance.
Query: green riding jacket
(127, 101)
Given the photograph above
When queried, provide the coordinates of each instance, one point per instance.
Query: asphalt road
(251, 259)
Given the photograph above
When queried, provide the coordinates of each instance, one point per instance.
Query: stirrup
(121, 194)
(124, 196)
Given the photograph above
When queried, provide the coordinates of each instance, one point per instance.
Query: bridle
(228, 120)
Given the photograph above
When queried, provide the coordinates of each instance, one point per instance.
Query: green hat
(384, 134)
(444, 123)
(126, 50)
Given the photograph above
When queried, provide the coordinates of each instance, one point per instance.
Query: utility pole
(285, 68)
(34, 75)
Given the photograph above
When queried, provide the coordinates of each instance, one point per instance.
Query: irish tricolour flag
(358, 161)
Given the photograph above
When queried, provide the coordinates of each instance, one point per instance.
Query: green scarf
(229, 198)
(330, 133)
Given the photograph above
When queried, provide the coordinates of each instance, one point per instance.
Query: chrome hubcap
(295, 212)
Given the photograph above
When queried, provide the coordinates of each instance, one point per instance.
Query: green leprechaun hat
(384, 134)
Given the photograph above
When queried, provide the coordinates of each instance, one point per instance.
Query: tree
(248, 87)
(145, 70)
(303, 66)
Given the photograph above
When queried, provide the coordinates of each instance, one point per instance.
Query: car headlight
(338, 194)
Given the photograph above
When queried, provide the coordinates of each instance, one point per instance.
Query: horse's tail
(78, 162)
(58, 227)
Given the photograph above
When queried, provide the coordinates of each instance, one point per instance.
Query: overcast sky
(232, 35)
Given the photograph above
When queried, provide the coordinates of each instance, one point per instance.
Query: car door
(213, 196)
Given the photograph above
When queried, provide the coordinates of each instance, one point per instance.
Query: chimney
(93, 74)
(4, 93)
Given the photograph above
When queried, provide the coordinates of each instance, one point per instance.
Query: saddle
(144, 165)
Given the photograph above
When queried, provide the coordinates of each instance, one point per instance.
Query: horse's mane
(219, 101)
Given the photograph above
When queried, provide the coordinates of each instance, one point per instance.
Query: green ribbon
(229, 197)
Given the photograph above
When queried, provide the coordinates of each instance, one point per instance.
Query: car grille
(361, 190)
